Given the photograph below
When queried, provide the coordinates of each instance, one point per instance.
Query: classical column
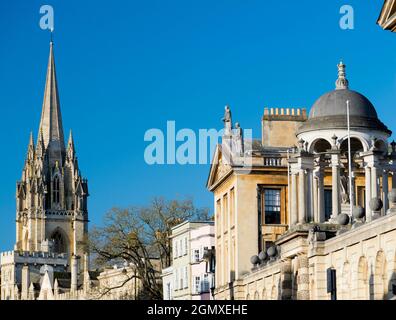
(315, 198)
(368, 192)
(294, 208)
(374, 182)
(335, 176)
(321, 202)
(310, 196)
(301, 196)
(385, 190)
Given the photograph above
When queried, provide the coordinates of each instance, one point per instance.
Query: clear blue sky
(128, 66)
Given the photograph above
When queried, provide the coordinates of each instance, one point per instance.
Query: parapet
(38, 257)
(285, 114)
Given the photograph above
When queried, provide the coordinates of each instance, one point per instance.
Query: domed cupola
(330, 111)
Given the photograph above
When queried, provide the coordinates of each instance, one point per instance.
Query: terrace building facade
(295, 210)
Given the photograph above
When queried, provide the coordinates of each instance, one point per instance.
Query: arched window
(55, 195)
(59, 242)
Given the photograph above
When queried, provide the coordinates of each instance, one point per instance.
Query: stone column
(25, 283)
(303, 278)
(74, 274)
(294, 208)
(310, 196)
(368, 192)
(321, 202)
(315, 198)
(335, 176)
(374, 182)
(301, 196)
(385, 190)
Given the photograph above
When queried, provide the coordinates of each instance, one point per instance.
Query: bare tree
(140, 235)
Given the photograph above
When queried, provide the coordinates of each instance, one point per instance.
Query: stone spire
(40, 148)
(30, 154)
(51, 119)
(70, 147)
(342, 81)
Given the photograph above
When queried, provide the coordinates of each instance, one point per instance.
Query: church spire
(51, 119)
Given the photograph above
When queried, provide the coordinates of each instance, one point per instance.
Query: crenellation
(285, 114)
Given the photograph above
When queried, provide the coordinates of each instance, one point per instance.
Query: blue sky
(127, 66)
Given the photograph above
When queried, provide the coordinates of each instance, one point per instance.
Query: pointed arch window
(58, 242)
(55, 195)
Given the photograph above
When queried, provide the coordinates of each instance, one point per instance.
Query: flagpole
(349, 160)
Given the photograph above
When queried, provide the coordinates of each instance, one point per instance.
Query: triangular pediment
(218, 168)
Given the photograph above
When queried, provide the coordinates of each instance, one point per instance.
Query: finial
(342, 82)
(51, 36)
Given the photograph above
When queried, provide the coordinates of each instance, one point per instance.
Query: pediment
(219, 167)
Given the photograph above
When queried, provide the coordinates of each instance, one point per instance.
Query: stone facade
(51, 207)
(187, 278)
(285, 214)
(50, 259)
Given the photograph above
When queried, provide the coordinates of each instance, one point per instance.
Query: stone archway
(320, 145)
(356, 146)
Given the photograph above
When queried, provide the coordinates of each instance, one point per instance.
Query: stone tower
(51, 211)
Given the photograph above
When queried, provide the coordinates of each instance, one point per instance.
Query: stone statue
(227, 120)
(238, 139)
(344, 187)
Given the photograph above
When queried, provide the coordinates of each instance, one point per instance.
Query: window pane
(328, 204)
(272, 198)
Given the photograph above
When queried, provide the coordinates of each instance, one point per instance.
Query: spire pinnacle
(31, 141)
(342, 82)
(51, 119)
(40, 143)
(30, 153)
(71, 141)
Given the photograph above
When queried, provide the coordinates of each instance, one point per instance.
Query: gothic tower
(51, 212)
